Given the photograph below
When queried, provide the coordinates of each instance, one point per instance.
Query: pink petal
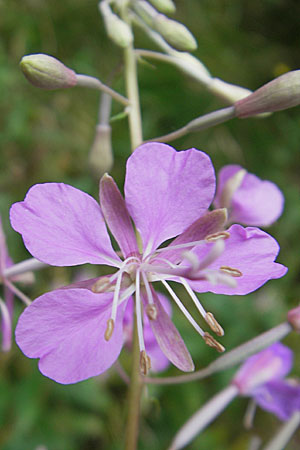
(116, 216)
(169, 339)
(62, 226)
(65, 329)
(256, 202)
(166, 191)
(250, 250)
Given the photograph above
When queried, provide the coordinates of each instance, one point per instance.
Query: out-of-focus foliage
(46, 136)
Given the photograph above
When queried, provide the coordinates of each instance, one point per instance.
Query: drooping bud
(101, 158)
(118, 31)
(281, 93)
(293, 318)
(231, 93)
(175, 33)
(164, 6)
(46, 72)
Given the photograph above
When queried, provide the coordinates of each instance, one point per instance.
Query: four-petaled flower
(77, 331)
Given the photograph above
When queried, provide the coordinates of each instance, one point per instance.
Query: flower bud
(281, 93)
(175, 33)
(101, 156)
(293, 318)
(118, 31)
(164, 6)
(46, 72)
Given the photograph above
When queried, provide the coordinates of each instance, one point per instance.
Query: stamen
(211, 342)
(151, 311)
(138, 310)
(102, 285)
(191, 258)
(145, 362)
(116, 296)
(213, 324)
(109, 329)
(183, 309)
(231, 271)
(148, 289)
(193, 297)
(219, 235)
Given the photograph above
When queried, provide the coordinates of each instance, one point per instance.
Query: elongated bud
(101, 158)
(46, 72)
(231, 93)
(281, 93)
(175, 33)
(118, 31)
(164, 6)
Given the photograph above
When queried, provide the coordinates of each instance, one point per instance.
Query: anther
(213, 324)
(102, 285)
(211, 342)
(145, 363)
(215, 236)
(231, 271)
(151, 311)
(109, 329)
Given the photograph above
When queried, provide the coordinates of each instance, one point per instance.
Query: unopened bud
(46, 72)
(228, 92)
(164, 6)
(145, 362)
(175, 33)
(118, 31)
(293, 318)
(101, 158)
(281, 93)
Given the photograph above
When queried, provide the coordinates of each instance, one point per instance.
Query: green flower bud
(164, 6)
(118, 31)
(175, 33)
(281, 93)
(46, 72)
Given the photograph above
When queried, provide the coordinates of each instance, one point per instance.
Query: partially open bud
(164, 6)
(227, 91)
(46, 72)
(293, 318)
(118, 31)
(281, 93)
(101, 158)
(175, 33)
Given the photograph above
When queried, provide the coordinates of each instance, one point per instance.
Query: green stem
(134, 395)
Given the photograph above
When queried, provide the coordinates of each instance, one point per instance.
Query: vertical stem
(136, 138)
(134, 395)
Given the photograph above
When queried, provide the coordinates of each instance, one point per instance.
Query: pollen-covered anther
(145, 363)
(213, 324)
(102, 285)
(211, 342)
(151, 311)
(215, 236)
(109, 329)
(231, 271)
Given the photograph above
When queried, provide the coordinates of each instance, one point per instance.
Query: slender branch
(95, 83)
(230, 358)
(28, 265)
(200, 123)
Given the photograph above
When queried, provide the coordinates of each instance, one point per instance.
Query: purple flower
(249, 200)
(77, 332)
(261, 377)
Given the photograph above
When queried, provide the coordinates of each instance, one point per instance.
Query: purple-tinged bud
(293, 318)
(164, 6)
(46, 72)
(270, 364)
(281, 93)
(175, 33)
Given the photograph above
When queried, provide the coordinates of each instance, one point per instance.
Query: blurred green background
(46, 136)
